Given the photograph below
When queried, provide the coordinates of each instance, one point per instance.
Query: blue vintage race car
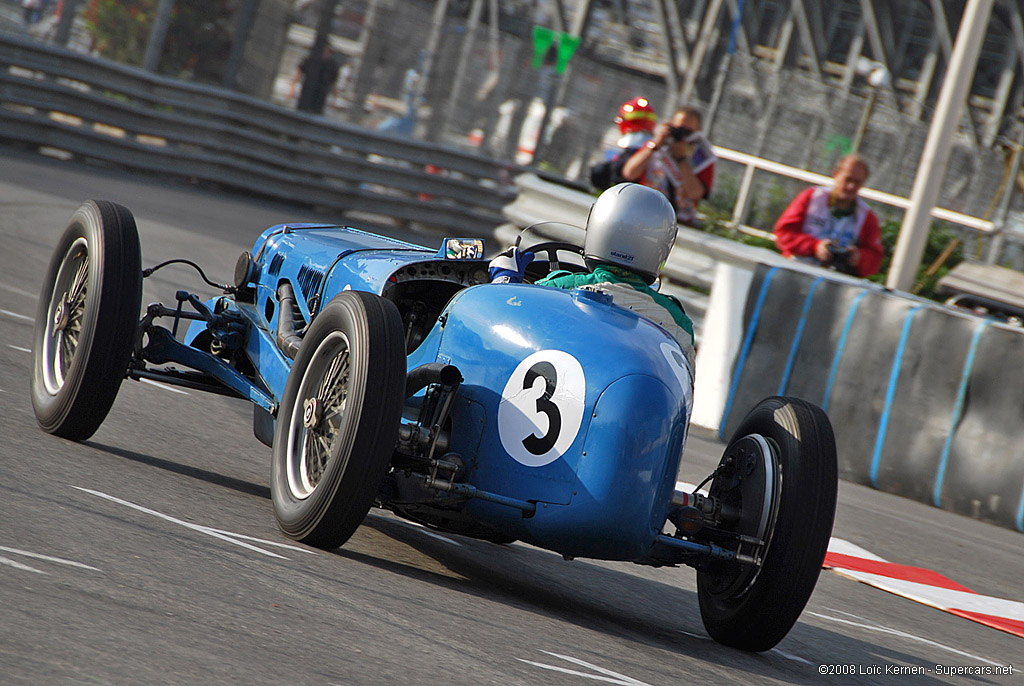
(389, 374)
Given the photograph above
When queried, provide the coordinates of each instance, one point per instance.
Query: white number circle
(541, 407)
(680, 367)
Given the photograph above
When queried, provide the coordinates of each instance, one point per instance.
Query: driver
(630, 232)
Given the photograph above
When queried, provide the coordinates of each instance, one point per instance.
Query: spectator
(318, 74)
(32, 11)
(636, 121)
(833, 227)
(678, 161)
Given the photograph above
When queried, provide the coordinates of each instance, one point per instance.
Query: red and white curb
(924, 586)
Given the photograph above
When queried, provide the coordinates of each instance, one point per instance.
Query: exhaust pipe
(432, 372)
(289, 321)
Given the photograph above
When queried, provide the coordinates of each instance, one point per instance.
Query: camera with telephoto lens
(679, 133)
(840, 259)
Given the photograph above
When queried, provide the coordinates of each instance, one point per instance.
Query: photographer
(678, 161)
(832, 226)
(636, 121)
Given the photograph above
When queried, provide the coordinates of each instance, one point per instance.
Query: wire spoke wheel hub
(317, 419)
(65, 311)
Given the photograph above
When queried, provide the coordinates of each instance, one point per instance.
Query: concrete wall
(926, 401)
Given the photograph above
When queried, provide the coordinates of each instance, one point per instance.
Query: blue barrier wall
(984, 473)
(926, 401)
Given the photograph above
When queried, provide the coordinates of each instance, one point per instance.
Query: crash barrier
(77, 105)
(922, 396)
(927, 401)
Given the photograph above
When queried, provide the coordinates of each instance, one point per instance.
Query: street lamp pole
(878, 76)
(158, 35)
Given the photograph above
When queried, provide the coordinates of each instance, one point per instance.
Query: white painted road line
(39, 556)
(841, 547)
(15, 315)
(216, 533)
(602, 674)
(19, 348)
(790, 656)
(261, 540)
(17, 565)
(19, 291)
(942, 598)
(424, 530)
(164, 386)
(878, 628)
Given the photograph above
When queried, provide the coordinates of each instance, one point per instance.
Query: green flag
(543, 38)
(566, 47)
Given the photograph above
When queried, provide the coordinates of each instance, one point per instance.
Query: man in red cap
(636, 120)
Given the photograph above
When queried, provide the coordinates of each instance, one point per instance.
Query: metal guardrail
(92, 108)
(752, 164)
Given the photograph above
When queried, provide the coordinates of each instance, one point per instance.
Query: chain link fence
(483, 91)
(480, 86)
(467, 78)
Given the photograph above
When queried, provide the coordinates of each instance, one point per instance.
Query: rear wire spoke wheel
(86, 320)
(338, 421)
(750, 608)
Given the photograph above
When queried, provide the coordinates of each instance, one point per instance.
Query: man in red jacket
(832, 226)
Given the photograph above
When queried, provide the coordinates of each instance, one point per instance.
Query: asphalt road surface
(149, 553)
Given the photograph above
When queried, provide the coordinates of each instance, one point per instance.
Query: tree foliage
(197, 43)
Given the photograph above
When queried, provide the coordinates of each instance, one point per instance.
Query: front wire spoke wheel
(321, 446)
(76, 296)
(334, 391)
(338, 422)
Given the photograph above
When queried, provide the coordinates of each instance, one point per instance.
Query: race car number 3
(541, 407)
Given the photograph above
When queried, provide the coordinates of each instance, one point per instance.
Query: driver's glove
(509, 266)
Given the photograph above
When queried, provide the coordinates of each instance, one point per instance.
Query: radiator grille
(309, 280)
(275, 264)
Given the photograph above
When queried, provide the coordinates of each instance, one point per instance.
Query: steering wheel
(546, 259)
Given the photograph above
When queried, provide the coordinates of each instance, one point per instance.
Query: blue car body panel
(568, 401)
(612, 483)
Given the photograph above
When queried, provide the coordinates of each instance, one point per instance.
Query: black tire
(338, 421)
(760, 612)
(86, 319)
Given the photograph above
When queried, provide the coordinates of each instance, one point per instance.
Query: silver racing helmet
(631, 226)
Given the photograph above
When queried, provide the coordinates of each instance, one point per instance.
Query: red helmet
(636, 115)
